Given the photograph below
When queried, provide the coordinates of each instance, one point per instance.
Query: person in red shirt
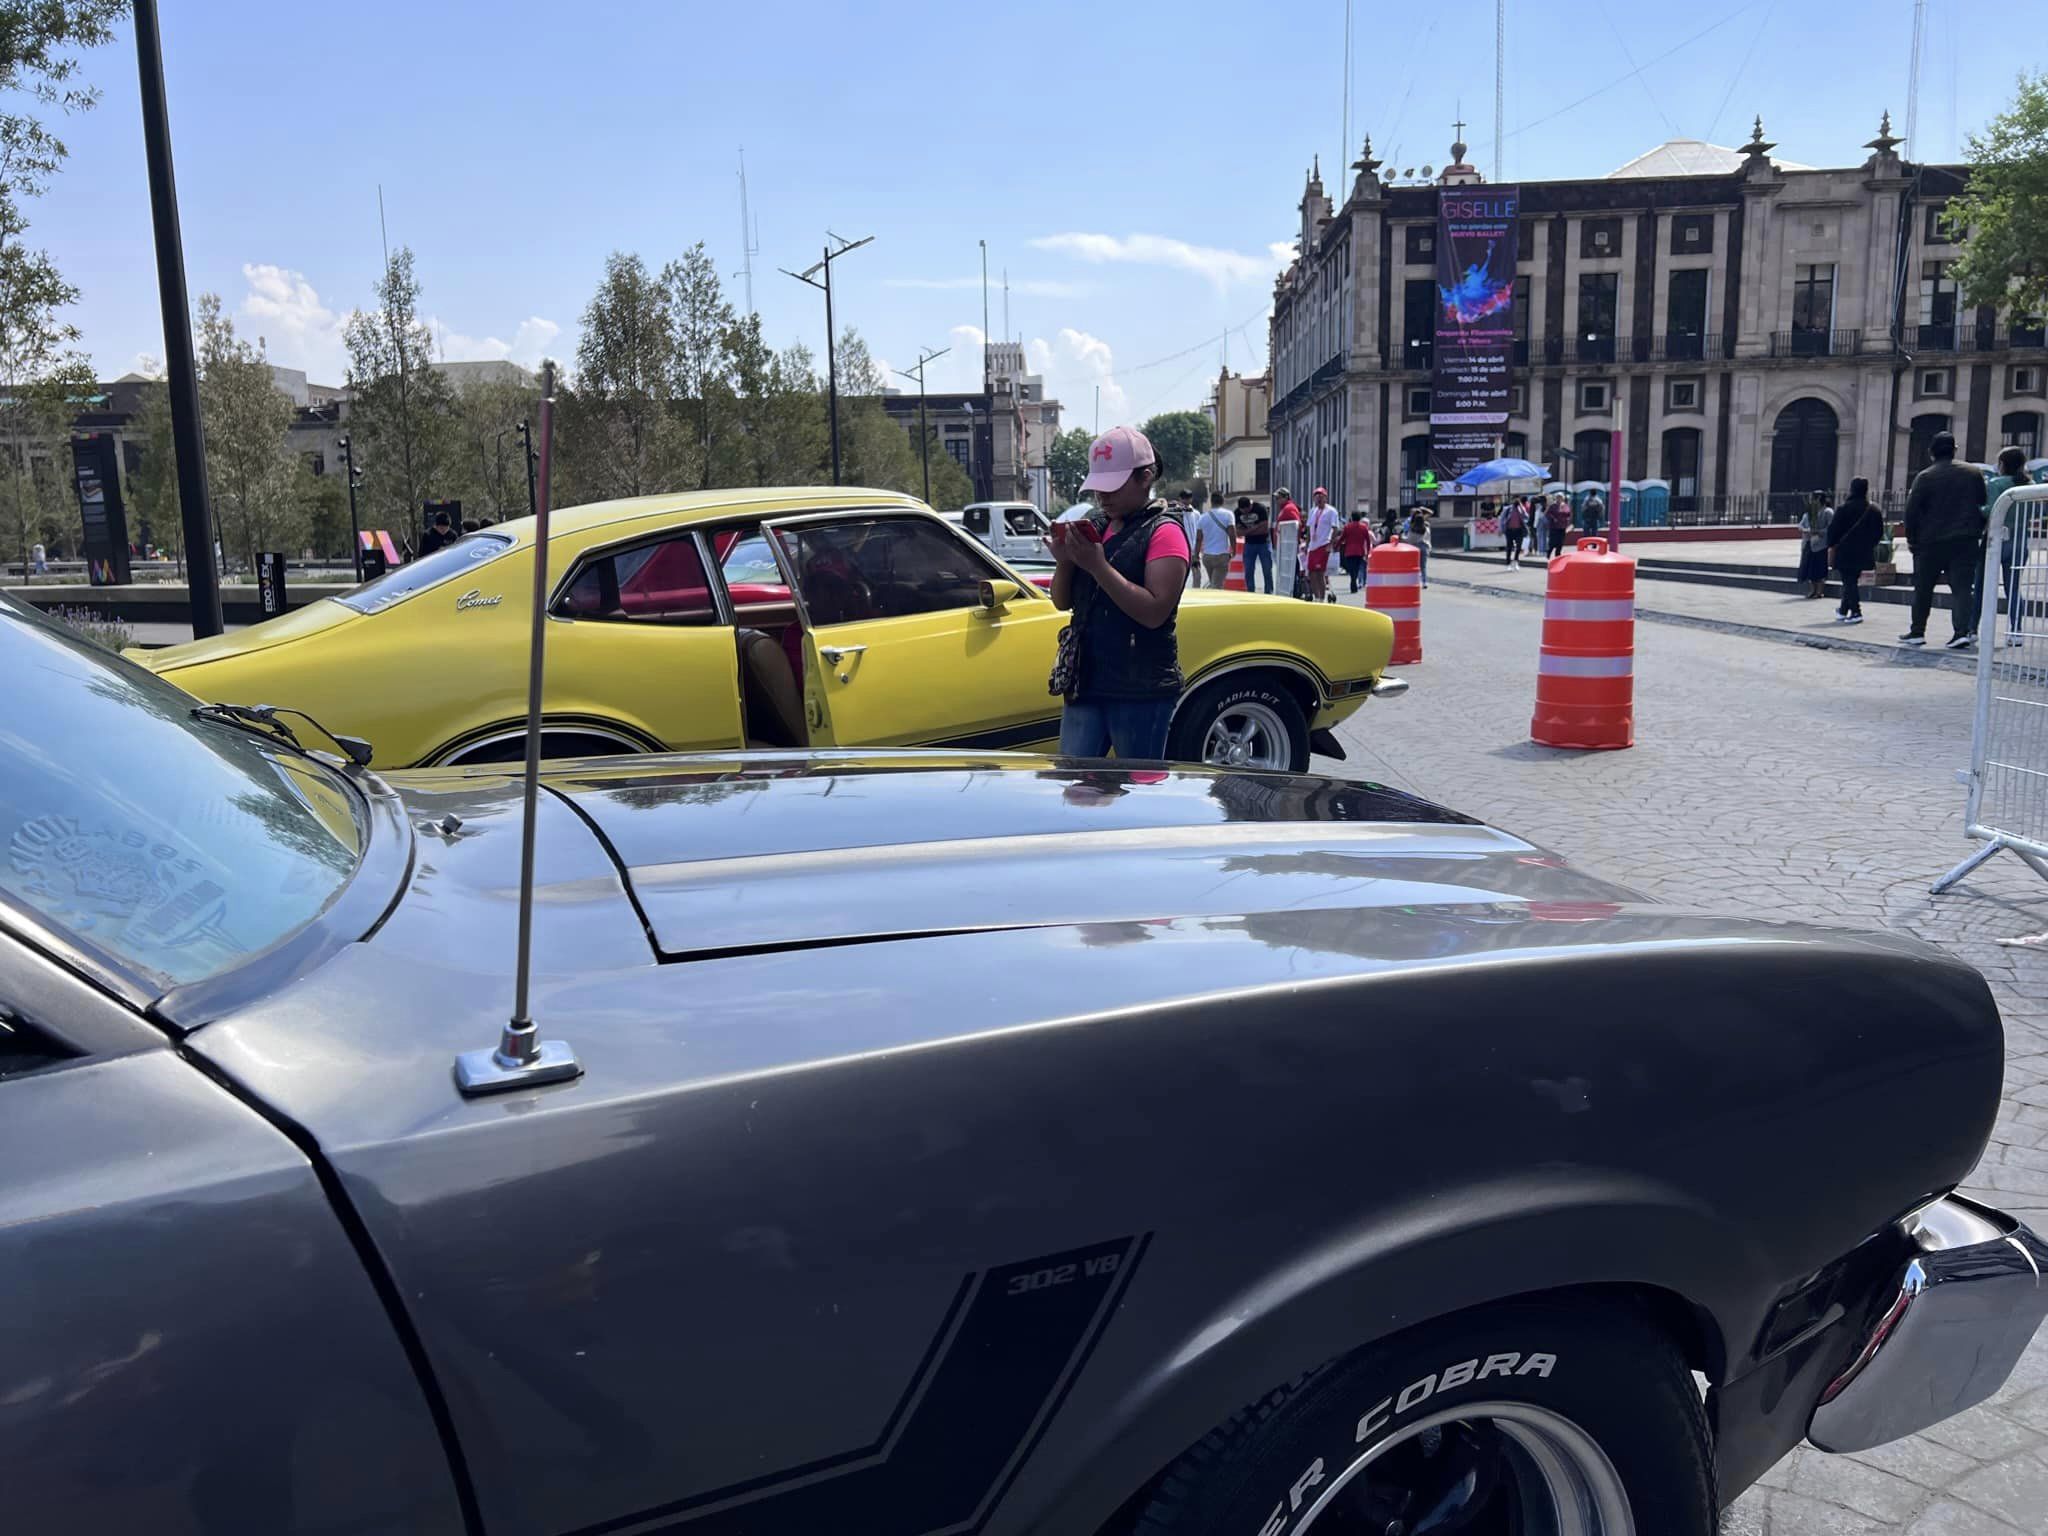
(1356, 542)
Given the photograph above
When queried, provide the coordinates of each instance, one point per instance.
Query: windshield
(450, 560)
(750, 562)
(174, 846)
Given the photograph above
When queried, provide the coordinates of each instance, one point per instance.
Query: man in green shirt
(2012, 470)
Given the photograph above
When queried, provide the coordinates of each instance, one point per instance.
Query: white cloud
(297, 329)
(1026, 287)
(1075, 364)
(529, 343)
(1222, 268)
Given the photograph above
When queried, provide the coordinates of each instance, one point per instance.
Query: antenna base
(499, 1071)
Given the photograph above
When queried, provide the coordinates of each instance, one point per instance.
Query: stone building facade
(1241, 451)
(1762, 330)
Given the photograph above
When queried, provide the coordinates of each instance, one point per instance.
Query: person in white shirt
(1215, 540)
(1189, 511)
(1323, 523)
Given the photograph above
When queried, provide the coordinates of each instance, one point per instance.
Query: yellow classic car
(758, 618)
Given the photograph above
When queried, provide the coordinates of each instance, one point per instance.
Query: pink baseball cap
(1112, 457)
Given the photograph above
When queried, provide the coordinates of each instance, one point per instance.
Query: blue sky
(1135, 167)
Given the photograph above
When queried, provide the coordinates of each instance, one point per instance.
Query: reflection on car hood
(778, 851)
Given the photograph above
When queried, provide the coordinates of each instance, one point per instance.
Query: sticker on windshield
(100, 879)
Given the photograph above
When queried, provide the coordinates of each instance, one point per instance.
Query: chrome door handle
(838, 653)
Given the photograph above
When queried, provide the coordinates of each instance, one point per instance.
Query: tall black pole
(831, 366)
(355, 528)
(202, 573)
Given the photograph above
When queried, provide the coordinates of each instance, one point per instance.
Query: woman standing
(1813, 544)
(1357, 537)
(1852, 540)
(1120, 574)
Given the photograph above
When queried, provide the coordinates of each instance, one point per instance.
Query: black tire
(1191, 725)
(1609, 1371)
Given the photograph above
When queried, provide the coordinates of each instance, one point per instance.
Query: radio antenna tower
(1500, 78)
(750, 235)
(1913, 83)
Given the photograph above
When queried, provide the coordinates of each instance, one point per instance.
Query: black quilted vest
(1119, 657)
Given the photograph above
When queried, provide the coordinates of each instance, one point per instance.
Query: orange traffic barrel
(1585, 676)
(1234, 582)
(1393, 586)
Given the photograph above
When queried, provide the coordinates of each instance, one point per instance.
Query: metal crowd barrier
(2008, 774)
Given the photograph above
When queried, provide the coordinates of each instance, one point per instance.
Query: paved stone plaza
(1773, 777)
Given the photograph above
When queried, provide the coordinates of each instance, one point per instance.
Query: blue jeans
(1256, 556)
(1131, 728)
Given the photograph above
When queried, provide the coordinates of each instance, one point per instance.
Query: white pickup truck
(1015, 530)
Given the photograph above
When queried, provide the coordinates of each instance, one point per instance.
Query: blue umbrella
(1493, 470)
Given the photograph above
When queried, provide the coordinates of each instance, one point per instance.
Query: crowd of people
(1545, 524)
(1324, 536)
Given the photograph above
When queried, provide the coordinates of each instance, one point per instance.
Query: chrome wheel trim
(1584, 1493)
(1248, 735)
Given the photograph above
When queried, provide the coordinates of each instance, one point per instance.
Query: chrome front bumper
(1967, 1305)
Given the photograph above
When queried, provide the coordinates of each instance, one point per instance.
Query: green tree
(2005, 207)
(251, 472)
(1182, 439)
(700, 364)
(777, 432)
(489, 470)
(40, 374)
(399, 406)
(323, 512)
(873, 449)
(952, 488)
(153, 487)
(1066, 461)
(618, 434)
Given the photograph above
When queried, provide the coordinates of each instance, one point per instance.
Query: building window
(1418, 323)
(1532, 238)
(2023, 380)
(1932, 383)
(1682, 465)
(1589, 457)
(1418, 400)
(1518, 399)
(1937, 305)
(1414, 460)
(1420, 245)
(1692, 234)
(957, 447)
(1599, 238)
(1522, 316)
(1813, 298)
(1937, 229)
(1685, 314)
(2024, 429)
(1596, 397)
(1599, 298)
(1681, 394)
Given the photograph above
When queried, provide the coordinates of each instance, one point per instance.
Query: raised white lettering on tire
(1540, 1364)
(1458, 1375)
(1309, 1479)
(1501, 1365)
(1415, 1392)
(1376, 1420)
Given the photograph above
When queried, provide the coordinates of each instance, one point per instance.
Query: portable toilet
(1653, 503)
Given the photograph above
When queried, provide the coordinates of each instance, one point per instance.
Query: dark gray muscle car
(961, 1145)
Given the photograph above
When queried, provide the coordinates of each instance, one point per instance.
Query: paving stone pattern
(1813, 784)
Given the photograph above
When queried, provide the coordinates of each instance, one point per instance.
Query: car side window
(660, 583)
(883, 568)
(1022, 521)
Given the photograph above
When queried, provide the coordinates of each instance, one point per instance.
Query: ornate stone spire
(1366, 164)
(1758, 147)
(1886, 141)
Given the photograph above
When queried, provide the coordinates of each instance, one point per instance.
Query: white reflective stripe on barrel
(1393, 578)
(1594, 609)
(1390, 606)
(1586, 666)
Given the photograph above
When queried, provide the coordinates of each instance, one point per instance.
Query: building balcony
(1683, 347)
(2014, 335)
(1816, 343)
(1934, 338)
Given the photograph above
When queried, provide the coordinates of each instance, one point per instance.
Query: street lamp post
(526, 437)
(924, 440)
(355, 530)
(202, 571)
(831, 346)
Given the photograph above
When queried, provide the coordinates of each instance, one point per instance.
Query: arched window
(1920, 443)
(1802, 455)
(2023, 428)
(1682, 467)
(1414, 460)
(1589, 457)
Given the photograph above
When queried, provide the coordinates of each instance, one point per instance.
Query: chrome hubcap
(1491, 1469)
(1247, 735)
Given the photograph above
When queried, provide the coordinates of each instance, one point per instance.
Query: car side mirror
(997, 594)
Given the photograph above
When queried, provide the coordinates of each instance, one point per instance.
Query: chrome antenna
(521, 1059)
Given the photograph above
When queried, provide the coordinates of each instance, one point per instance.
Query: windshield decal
(99, 879)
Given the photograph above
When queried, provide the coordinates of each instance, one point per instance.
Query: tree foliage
(620, 437)
(2005, 208)
(701, 359)
(39, 60)
(153, 487)
(488, 472)
(400, 409)
(1066, 463)
(1182, 439)
(42, 376)
(251, 474)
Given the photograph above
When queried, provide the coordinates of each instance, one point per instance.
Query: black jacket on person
(1946, 502)
(435, 538)
(1855, 533)
(1120, 658)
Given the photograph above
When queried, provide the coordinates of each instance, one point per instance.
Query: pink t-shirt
(1169, 542)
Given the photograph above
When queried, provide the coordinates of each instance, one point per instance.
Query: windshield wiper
(265, 718)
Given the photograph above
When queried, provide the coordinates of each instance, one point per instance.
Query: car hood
(797, 850)
(313, 619)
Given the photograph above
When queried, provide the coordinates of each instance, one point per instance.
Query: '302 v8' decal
(1377, 1418)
